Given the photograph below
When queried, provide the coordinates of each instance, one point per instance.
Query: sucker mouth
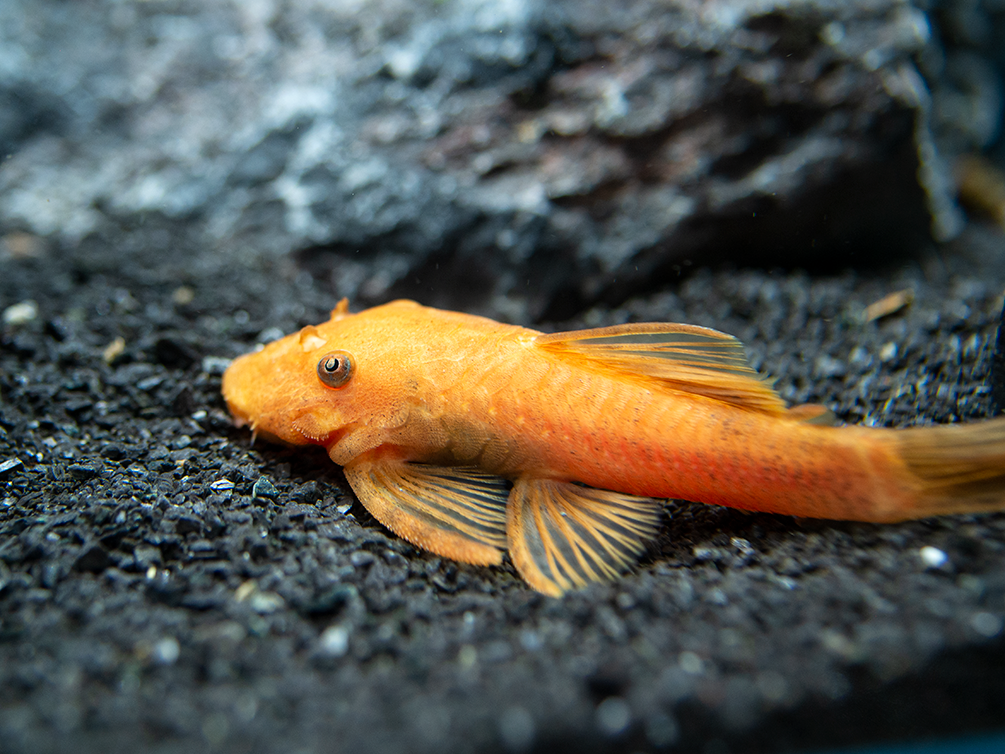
(238, 418)
(313, 431)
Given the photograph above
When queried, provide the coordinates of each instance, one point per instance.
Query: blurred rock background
(522, 158)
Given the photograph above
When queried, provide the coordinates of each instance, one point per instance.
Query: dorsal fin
(688, 358)
(812, 413)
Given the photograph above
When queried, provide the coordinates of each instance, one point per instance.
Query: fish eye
(335, 369)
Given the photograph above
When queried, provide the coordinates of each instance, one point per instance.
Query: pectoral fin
(563, 536)
(458, 512)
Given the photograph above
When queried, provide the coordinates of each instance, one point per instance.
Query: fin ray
(689, 358)
(812, 413)
(564, 536)
(458, 512)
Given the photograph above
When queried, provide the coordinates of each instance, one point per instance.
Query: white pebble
(20, 314)
(166, 651)
(334, 641)
(932, 557)
(265, 602)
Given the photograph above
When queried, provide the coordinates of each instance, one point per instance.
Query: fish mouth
(238, 418)
(316, 431)
(273, 392)
(333, 438)
(293, 434)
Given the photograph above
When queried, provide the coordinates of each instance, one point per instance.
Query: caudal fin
(960, 467)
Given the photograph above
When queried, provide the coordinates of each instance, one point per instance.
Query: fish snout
(279, 398)
(258, 392)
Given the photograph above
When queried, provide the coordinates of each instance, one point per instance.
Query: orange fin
(684, 357)
(458, 512)
(812, 413)
(959, 468)
(563, 536)
(341, 310)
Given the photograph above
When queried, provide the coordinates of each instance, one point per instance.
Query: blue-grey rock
(541, 154)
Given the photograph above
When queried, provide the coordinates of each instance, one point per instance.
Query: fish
(475, 439)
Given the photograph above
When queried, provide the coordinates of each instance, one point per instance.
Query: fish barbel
(471, 438)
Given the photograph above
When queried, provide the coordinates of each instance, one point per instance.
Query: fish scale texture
(167, 586)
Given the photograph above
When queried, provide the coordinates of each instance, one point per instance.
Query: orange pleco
(471, 438)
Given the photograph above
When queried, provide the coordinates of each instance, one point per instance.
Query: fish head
(316, 385)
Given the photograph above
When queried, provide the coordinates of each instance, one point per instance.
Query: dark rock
(208, 600)
(264, 489)
(175, 353)
(332, 601)
(83, 471)
(188, 524)
(998, 367)
(202, 549)
(26, 112)
(165, 589)
(93, 558)
(548, 154)
(78, 406)
(58, 328)
(308, 493)
(113, 452)
(266, 160)
(183, 402)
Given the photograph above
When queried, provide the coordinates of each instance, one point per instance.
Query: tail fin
(960, 467)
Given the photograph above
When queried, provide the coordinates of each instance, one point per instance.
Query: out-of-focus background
(521, 156)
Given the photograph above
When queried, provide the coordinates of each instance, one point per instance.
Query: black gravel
(166, 586)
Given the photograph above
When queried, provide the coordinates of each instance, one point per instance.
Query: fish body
(470, 438)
